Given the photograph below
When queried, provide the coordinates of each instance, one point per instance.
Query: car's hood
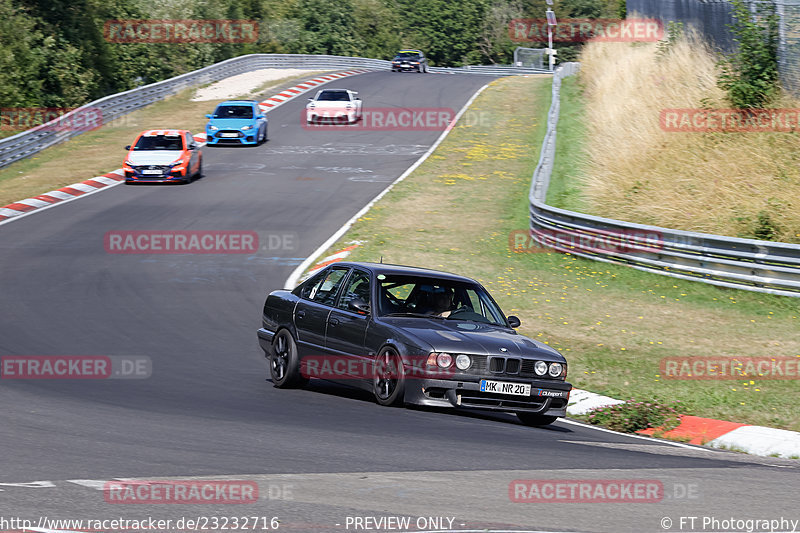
(154, 157)
(460, 336)
(231, 123)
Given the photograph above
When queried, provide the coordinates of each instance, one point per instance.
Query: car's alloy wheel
(284, 364)
(533, 419)
(389, 380)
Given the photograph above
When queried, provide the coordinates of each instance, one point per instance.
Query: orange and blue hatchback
(163, 156)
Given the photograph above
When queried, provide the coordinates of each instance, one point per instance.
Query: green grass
(564, 190)
(613, 323)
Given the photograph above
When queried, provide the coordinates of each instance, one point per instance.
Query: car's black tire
(389, 381)
(199, 173)
(533, 419)
(284, 362)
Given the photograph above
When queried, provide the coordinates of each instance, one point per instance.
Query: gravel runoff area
(244, 84)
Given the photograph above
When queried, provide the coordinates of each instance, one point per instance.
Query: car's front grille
(527, 366)
(229, 134)
(162, 168)
(503, 366)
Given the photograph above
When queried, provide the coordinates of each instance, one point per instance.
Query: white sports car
(334, 105)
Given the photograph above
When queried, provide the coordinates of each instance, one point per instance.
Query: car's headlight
(212, 128)
(463, 361)
(310, 105)
(540, 368)
(444, 360)
(555, 370)
(245, 128)
(128, 162)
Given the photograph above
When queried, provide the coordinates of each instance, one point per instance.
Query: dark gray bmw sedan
(411, 336)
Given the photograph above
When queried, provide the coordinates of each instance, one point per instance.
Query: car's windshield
(159, 142)
(233, 111)
(419, 296)
(408, 55)
(334, 96)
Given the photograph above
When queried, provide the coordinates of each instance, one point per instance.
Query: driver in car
(442, 302)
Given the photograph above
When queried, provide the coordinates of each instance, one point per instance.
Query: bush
(750, 75)
(633, 416)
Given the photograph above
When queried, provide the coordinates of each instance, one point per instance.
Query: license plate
(228, 134)
(151, 172)
(504, 387)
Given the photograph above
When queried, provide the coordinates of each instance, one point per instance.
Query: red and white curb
(28, 206)
(755, 440)
(304, 87)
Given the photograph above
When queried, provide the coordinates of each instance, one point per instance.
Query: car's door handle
(301, 314)
(334, 322)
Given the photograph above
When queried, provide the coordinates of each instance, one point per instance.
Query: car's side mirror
(358, 305)
(128, 147)
(513, 321)
(310, 99)
(261, 116)
(192, 146)
(357, 98)
(208, 116)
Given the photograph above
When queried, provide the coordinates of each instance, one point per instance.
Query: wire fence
(713, 17)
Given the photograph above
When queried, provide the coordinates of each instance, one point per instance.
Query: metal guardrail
(30, 142)
(763, 266)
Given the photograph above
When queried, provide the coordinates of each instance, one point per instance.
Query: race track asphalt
(207, 409)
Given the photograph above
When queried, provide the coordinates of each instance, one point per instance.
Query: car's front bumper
(332, 116)
(547, 397)
(232, 137)
(136, 176)
(402, 67)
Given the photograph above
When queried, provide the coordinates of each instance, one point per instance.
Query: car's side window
(189, 139)
(309, 286)
(325, 291)
(357, 287)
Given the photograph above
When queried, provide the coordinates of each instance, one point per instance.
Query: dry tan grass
(710, 182)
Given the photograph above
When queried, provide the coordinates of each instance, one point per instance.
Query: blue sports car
(237, 122)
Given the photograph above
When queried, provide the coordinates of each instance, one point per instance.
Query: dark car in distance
(413, 60)
(411, 336)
